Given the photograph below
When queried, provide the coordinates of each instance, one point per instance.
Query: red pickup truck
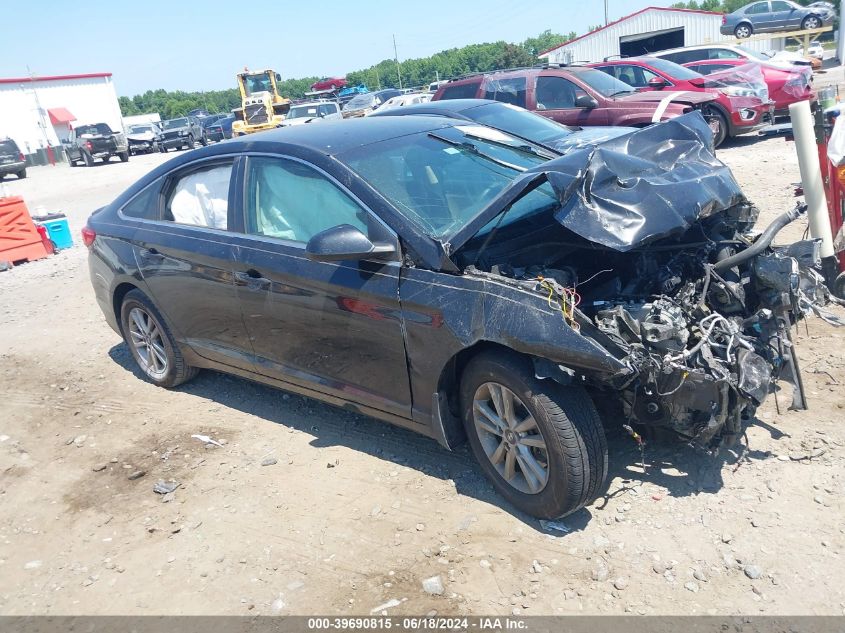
(577, 96)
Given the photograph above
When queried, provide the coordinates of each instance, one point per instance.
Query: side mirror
(585, 101)
(345, 242)
(657, 83)
(278, 77)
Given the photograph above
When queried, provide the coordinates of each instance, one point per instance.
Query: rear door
(555, 97)
(186, 259)
(336, 327)
(633, 75)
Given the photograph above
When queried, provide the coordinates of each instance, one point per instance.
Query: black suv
(11, 159)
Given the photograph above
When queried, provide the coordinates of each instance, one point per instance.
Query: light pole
(396, 58)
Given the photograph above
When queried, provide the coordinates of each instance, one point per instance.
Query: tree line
(413, 72)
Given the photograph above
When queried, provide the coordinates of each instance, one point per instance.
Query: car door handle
(252, 279)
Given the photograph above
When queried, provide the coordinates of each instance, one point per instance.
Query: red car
(329, 83)
(740, 106)
(575, 96)
(786, 85)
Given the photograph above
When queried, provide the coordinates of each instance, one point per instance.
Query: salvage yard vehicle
(181, 133)
(364, 103)
(684, 56)
(12, 160)
(221, 129)
(262, 105)
(576, 96)
(143, 138)
(515, 121)
(329, 83)
(458, 284)
(311, 111)
(786, 85)
(742, 101)
(85, 143)
(770, 16)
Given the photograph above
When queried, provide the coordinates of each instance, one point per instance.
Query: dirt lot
(353, 513)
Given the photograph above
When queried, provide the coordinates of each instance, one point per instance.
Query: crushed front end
(655, 257)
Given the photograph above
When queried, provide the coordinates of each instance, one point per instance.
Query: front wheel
(88, 159)
(811, 22)
(719, 124)
(151, 343)
(542, 445)
(742, 31)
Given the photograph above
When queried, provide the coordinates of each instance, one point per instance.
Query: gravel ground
(305, 508)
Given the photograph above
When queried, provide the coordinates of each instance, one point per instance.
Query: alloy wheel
(812, 23)
(148, 343)
(510, 437)
(742, 32)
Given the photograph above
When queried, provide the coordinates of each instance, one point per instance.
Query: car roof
(336, 137)
(444, 106)
(697, 47)
(519, 71)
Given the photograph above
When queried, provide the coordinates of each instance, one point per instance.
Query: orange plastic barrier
(19, 239)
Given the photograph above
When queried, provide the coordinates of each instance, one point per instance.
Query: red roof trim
(20, 80)
(622, 19)
(60, 115)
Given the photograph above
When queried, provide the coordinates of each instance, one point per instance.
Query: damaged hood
(628, 191)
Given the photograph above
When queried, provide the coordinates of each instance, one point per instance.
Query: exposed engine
(702, 323)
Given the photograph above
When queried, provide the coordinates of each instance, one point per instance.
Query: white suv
(311, 112)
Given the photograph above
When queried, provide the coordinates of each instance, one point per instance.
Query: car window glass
(144, 205)
(632, 75)
(724, 53)
(201, 198)
(291, 201)
(506, 90)
(779, 5)
(759, 7)
(462, 91)
(556, 93)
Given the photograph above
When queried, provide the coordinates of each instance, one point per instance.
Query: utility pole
(605, 13)
(396, 58)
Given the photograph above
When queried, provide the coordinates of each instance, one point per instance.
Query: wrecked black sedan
(447, 278)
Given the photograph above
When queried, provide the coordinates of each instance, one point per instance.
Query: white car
(704, 52)
(311, 112)
(142, 137)
(411, 98)
(816, 51)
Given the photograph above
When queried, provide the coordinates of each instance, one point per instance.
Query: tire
(87, 159)
(22, 174)
(165, 366)
(743, 31)
(565, 422)
(124, 156)
(203, 140)
(106, 159)
(839, 286)
(811, 22)
(719, 124)
(190, 143)
(162, 149)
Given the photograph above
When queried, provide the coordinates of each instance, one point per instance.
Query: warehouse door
(645, 43)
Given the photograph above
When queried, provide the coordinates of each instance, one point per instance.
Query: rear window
(99, 128)
(687, 56)
(8, 147)
(460, 91)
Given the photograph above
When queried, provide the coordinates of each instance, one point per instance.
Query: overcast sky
(201, 45)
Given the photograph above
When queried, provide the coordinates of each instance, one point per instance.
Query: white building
(649, 30)
(37, 112)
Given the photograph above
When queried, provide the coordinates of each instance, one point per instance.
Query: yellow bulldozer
(262, 107)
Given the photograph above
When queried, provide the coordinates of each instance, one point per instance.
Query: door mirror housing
(585, 101)
(345, 242)
(657, 83)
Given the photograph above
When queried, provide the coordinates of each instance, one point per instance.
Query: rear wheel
(151, 343)
(124, 156)
(22, 174)
(839, 286)
(203, 140)
(88, 159)
(743, 30)
(811, 22)
(542, 445)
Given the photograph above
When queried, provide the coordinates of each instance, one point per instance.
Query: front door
(332, 327)
(555, 98)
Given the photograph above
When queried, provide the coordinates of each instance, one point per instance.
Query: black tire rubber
(22, 174)
(106, 159)
(87, 159)
(839, 286)
(178, 370)
(203, 140)
(162, 149)
(804, 26)
(124, 156)
(718, 139)
(570, 424)
(746, 26)
(190, 143)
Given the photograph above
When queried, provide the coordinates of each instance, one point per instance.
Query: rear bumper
(12, 168)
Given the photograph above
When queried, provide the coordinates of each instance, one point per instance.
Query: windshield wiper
(472, 149)
(527, 149)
